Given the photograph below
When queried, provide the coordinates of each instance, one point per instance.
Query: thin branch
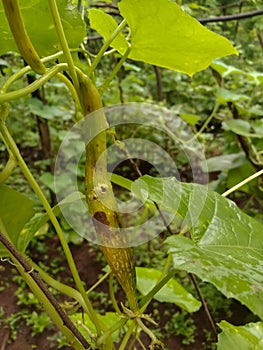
(207, 312)
(243, 140)
(260, 39)
(106, 5)
(235, 17)
(233, 4)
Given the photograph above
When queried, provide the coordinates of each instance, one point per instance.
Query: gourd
(100, 197)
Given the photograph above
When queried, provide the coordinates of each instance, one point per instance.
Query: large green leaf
(40, 26)
(227, 245)
(164, 35)
(172, 292)
(248, 337)
(15, 211)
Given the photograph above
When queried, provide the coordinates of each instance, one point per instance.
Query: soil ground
(89, 268)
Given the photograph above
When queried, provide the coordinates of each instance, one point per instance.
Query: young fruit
(104, 212)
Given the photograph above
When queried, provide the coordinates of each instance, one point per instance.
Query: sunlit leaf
(164, 35)
(190, 118)
(106, 25)
(248, 337)
(226, 247)
(40, 27)
(172, 292)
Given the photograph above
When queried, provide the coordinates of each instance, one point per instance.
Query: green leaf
(48, 180)
(227, 245)
(39, 220)
(172, 292)
(190, 118)
(225, 162)
(224, 69)
(248, 337)
(106, 25)
(239, 174)
(15, 211)
(245, 127)
(224, 95)
(40, 27)
(164, 35)
(83, 323)
(38, 108)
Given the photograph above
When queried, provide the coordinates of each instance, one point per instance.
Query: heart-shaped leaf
(164, 35)
(226, 247)
(172, 292)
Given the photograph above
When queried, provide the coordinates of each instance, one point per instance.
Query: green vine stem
(208, 120)
(11, 145)
(114, 72)
(8, 96)
(64, 43)
(242, 183)
(112, 296)
(105, 46)
(118, 325)
(8, 169)
(144, 301)
(19, 74)
(127, 336)
(59, 75)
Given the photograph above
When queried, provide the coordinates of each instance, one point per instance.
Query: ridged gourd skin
(97, 185)
(21, 37)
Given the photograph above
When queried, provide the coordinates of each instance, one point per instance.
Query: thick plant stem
(100, 197)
